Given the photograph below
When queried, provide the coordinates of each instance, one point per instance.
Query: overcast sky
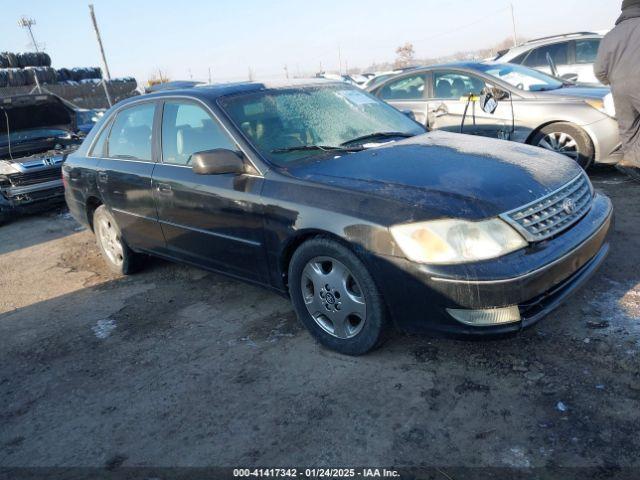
(185, 38)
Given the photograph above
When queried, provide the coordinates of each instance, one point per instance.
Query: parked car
(530, 107)
(380, 77)
(571, 55)
(324, 193)
(37, 132)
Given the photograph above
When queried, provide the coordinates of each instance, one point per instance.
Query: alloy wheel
(333, 297)
(110, 240)
(562, 143)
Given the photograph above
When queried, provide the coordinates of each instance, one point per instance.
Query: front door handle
(164, 188)
(103, 177)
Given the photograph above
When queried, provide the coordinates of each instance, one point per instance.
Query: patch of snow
(103, 328)
(516, 458)
(619, 303)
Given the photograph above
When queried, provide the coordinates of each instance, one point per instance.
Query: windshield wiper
(378, 135)
(324, 148)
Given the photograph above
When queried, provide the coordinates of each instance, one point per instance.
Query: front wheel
(567, 139)
(118, 256)
(336, 298)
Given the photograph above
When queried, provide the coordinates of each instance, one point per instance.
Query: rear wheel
(336, 298)
(118, 256)
(567, 139)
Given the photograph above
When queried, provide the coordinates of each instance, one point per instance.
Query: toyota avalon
(324, 193)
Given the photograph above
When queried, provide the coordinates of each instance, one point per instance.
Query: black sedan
(322, 192)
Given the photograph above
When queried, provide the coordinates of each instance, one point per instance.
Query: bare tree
(404, 55)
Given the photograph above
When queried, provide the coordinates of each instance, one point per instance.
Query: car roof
(469, 65)
(214, 91)
(537, 42)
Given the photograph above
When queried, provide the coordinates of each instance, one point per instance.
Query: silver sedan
(510, 102)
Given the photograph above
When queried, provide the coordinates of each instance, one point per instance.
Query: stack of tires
(19, 69)
(22, 69)
(79, 75)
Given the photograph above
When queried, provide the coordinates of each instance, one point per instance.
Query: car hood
(576, 92)
(441, 174)
(30, 112)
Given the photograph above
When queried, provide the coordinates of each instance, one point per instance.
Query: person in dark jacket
(618, 65)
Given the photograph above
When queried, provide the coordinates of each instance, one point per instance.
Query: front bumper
(29, 197)
(606, 141)
(537, 279)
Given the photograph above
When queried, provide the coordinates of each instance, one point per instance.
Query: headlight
(6, 168)
(605, 105)
(456, 241)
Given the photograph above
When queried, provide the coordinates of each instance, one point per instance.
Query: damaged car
(37, 132)
(332, 197)
(510, 102)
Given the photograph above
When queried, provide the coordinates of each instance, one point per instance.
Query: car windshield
(286, 125)
(34, 134)
(522, 78)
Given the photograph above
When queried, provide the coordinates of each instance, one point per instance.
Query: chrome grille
(36, 176)
(553, 213)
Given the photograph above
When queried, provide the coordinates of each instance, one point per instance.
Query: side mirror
(410, 114)
(570, 77)
(216, 162)
(488, 103)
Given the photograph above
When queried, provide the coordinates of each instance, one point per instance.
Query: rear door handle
(164, 188)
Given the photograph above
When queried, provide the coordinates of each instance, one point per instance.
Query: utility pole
(104, 58)
(209, 75)
(513, 22)
(339, 60)
(26, 22)
(286, 71)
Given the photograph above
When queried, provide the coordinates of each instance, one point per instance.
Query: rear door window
(130, 137)
(406, 88)
(99, 148)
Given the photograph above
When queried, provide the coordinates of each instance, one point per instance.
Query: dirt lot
(179, 367)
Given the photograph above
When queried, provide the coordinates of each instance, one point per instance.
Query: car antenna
(6, 116)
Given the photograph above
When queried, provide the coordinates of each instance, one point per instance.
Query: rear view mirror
(216, 162)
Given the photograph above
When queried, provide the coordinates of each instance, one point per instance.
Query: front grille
(36, 176)
(553, 213)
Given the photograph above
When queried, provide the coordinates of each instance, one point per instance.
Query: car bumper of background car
(606, 140)
(533, 281)
(30, 197)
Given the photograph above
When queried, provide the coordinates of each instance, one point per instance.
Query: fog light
(490, 316)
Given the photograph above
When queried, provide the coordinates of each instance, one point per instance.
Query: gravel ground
(175, 366)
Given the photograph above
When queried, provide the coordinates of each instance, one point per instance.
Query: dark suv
(327, 194)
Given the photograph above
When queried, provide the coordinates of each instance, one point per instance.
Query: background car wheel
(336, 298)
(568, 139)
(119, 257)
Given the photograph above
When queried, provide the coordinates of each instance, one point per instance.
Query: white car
(572, 55)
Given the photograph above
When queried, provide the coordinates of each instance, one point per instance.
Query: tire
(118, 256)
(320, 263)
(567, 139)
